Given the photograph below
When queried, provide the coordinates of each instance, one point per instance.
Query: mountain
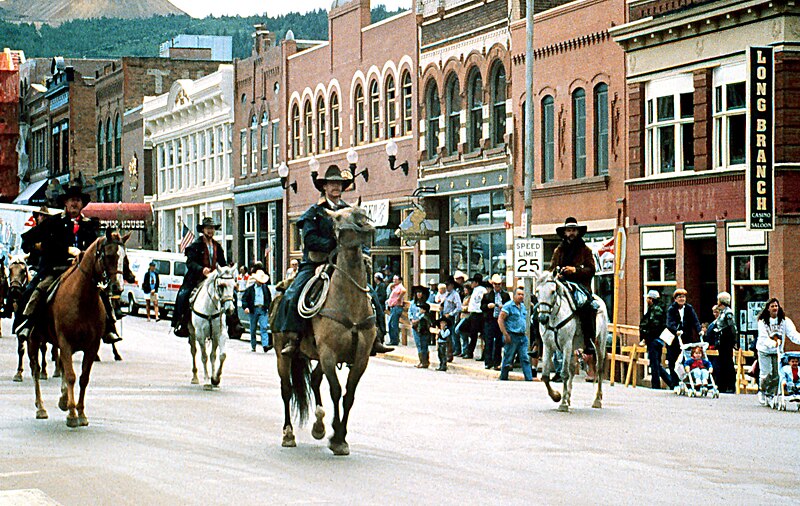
(55, 12)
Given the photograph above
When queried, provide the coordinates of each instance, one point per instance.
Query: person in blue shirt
(256, 302)
(512, 320)
(441, 342)
(150, 285)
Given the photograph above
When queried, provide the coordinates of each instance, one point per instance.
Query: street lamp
(352, 159)
(391, 152)
(283, 172)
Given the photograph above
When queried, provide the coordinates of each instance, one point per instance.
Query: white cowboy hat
(459, 274)
(496, 279)
(260, 277)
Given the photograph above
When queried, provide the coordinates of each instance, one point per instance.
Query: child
(790, 376)
(444, 338)
(699, 367)
(424, 331)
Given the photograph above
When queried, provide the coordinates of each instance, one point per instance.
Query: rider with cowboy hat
(58, 239)
(319, 241)
(573, 262)
(202, 258)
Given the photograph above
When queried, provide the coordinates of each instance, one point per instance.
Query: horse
(212, 300)
(343, 332)
(76, 321)
(18, 278)
(560, 330)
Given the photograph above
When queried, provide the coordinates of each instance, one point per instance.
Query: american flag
(188, 237)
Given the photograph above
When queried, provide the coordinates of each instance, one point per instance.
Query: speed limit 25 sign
(528, 257)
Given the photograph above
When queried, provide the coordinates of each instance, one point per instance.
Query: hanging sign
(760, 176)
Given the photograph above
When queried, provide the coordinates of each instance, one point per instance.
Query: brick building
(356, 93)
(687, 114)
(579, 121)
(9, 122)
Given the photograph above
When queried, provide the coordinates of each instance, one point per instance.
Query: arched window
(309, 128)
(374, 111)
(548, 139)
(391, 108)
(498, 104)
(101, 134)
(453, 104)
(109, 144)
(295, 131)
(579, 133)
(601, 129)
(434, 110)
(254, 143)
(408, 106)
(359, 94)
(322, 125)
(118, 142)
(475, 101)
(264, 140)
(335, 122)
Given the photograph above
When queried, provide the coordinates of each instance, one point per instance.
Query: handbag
(667, 336)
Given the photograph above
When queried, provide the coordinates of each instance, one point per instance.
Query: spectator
(442, 341)
(724, 334)
(451, 308)
(395, 304)
(419, 296)
(651, 326)
(773, 326)
(380, 289)
(682, 321)
(241, 279)
(699, 367)
(790, 376)
(150, 285)
(441, 293)
(256, 302)
(460, 278)
(424, 331)
(491, 305)
(431, 291)
(512, 320)
(460, 337)
(294, 265)
(474, 321)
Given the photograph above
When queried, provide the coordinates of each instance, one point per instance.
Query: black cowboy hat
(207, 222)
(334, 173)
(571, 223)
(42, 211)
(417, 288)
(72, 191)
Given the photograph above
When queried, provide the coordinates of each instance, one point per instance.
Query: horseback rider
(573, 263)
(202, 258)
(57, 240)
(319, 241)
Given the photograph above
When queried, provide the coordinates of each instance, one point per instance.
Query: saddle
(583, 298)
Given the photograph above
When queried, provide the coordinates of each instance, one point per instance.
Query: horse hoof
(288, 438)
(215, 382)
(41, 414)
(318, 430)
(57, 374)
(62, 404)
(208, 387)
(339, 449)
(43, 375)
(597, 404)
(563, 408)
(555, 396)
(83, 421)
(195, 381)
(72, 421)
(17, 378)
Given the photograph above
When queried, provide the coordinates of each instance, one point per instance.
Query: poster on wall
(760, 178)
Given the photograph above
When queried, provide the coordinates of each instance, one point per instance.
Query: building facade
(687, 111)
(10, 62)
(190, 132)
(352, 96)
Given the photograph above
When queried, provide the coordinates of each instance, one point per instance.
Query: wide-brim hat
(208, 222)
(334, 173)
(42, 211)
(571, 223)
(459, 274)
(418, 288)
(260, 277)
(497, 279)
(73, 191)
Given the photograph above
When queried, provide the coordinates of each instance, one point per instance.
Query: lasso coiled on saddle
(309, 310)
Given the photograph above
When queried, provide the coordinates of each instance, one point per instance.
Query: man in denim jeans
(512, 320)
(395, 303)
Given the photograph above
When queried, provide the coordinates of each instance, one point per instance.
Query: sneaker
(677, 389)
(762, 399)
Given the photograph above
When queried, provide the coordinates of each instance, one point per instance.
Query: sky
(202, 8)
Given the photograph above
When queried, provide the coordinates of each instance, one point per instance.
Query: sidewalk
(470, 367)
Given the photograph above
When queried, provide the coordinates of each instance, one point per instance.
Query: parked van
(171, 267)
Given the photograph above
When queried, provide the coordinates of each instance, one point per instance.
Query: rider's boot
(379, 347)
(24, 327)
(588, 326)
(292, 343)
(110, 335)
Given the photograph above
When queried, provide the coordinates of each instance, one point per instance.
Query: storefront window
(660, 276)
(750, 292)
(479, 209)
(478, 253)
(458, 211)
(385, 236)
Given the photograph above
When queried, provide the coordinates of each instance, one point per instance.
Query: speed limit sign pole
(527, 181)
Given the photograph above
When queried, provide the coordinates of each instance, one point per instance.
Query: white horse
(209, 305)
(560, 329)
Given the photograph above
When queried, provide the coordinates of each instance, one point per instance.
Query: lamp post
(391, 152)
(352, 159)
(283, 172)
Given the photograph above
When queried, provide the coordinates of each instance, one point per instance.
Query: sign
(528, 257)
(415, 227)
(378, 212)
(760, 173)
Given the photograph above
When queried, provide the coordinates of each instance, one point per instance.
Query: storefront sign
(414, 228)
(378, 212)
(760, 182)
(528, 257)
(123, 224)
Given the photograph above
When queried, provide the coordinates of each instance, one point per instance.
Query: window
(408, 105)
(335, 123)
(295, 131)
(374, 111)
(548, 139)
(109, 144)
(478, 244)
(475, 101)
(730, 117)
(659, 275)
(359, 94)
(498, 105)
(322, 126)
(434, 110)
(308, 125)
(100, 139)
(391, 108)
(276, 144)
(118, 142)
(264, 141)
(579, 133)
(254, 143)
(601, 129)
(453, 104)
(65, 146)
(669, 118)
(243, 143)
(478, 209)
(750, 279)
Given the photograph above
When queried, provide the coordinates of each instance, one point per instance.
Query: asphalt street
(416, 437)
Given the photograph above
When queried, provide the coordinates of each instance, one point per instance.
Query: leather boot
(420, 365)
(379, 347)
(110, 336)
(292, 343)
(425, 360)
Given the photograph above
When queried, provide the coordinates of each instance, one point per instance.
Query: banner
(760, 174)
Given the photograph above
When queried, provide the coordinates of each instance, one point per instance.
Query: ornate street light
(352, 159)
(283, 172)
(391, 152)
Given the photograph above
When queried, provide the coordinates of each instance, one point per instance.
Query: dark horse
(76, 321)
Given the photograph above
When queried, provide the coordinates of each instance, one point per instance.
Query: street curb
(452, 366)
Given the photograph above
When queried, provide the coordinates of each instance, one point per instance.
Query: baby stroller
(786, 351)
(687, 385)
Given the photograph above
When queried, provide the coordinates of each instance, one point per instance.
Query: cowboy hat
(459, 274)
(74, 191)
(334, 173)
(571, 223)
(417, 288)
(260, 277)
(497, 279)
(208, 222)
(42, 211)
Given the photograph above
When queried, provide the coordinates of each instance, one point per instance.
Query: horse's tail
(602, 335)
(301, 382)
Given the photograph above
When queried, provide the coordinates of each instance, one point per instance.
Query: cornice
(564, 46)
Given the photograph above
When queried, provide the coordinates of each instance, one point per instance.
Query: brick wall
(703, 134)
(636, 124)
(787, 107)
(657, 8)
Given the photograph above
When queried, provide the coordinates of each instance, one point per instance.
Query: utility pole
(527, 181)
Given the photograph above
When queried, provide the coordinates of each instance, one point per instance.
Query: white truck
(15, 220)
(171, 267)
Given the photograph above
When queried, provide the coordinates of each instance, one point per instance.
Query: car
(171, 268)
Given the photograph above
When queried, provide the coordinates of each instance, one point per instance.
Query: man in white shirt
(474, 322)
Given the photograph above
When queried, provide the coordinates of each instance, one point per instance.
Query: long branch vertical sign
(760, 183)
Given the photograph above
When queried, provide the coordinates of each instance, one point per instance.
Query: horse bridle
(555, 306)
(215, 296)
(100, 257)
(13, 283)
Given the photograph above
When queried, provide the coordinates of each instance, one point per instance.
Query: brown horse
(76, 321)
(344, 331)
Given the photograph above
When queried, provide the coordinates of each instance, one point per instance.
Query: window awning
(125, 216)
(33, 194)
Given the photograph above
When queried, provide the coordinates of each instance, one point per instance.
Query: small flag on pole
(188, 237)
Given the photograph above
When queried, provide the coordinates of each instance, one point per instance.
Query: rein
(557, 306)
(215, 299)
(346, 274)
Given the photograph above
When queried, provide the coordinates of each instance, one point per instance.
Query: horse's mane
(76, 262)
